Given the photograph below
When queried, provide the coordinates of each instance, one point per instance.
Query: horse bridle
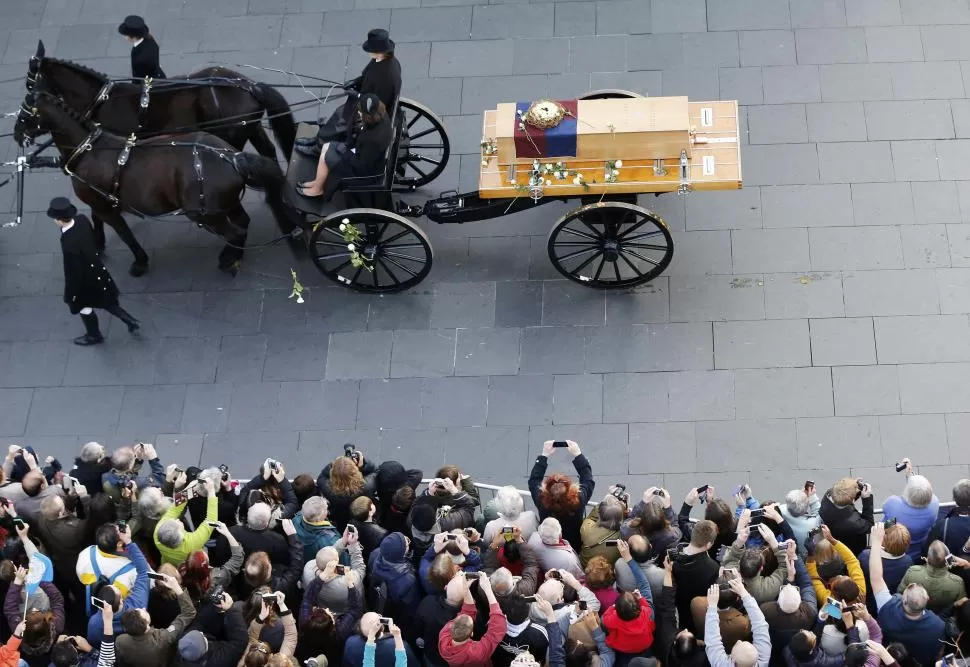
(33, 76)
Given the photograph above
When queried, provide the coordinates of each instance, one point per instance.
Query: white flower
(577, 180)
(616, 172)
(350, 247)
(518, 111)
(548, 166)
(345, 221)
(618, 163)
(548, 182)
(484, 163)
(299, 299)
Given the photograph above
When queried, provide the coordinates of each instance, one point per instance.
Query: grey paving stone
(596, 53)
(487, 352)
(961, 117)
(667, 446)
(421, 448)
(817, 13)
(358, 355)
(806, 205)
(915, 160)
(767, 47)
(553, 350)
(933, 388)
(430, 23)
(678, 16)
(959, 240)
(241, 359)
(635, 397)
(882, 203)
(230, 313)
(463, 304)
(389, 403)
(762, 444)
(761, 344)
(254, 407)
(488, 91)
(744, 84)
(901, 433)
(777, 124)
(646, 304)
(748, 15)
(697, 83)
(775, 393)
(577, 399)
(151, 410)
(937, 338)
(32, 363)
(923, 119)
(954, 288)
(701, 395)
(952, 159)
(406, 311)
(700, 49)
(873, 12)
(856, 248)
(854, 162)
(256, 32)
(724, 210)
(345, 27)
(958, 437)
(853, 440)
(423, 353)
(250, 447)
(836, 121)
(925, 246)
(566, 303)
(865, 390)
(701, 252)
(504, 21)
(894, 44)
(540, 55)
(784, 164)
(80, 410)
(521, 400)
(206, 408)
(454, 402)
(652, 347)
(518, 303)
(471, 58)
(906, 292)
(934, 12)
(126, 361)
(926, 81)
(575, 18)
(645, 83)
(855, 83)
(622, 17)
(770, 250)
(945, 42)
(710, 298)
(605, 445)
(472, 447)
(826, 46)
(842, 341)
(801, 295)
(318, 405)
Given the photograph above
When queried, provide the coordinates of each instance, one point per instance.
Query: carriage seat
(382, 181)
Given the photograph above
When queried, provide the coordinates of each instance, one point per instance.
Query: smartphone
(339, 569)
(18, 522)
(555, 574)
(98, 602)
(270, 597)
(739, 488)
(732, 572)
(860, 483)
(156, 576)
(351, 528)
(468, 532)
(122, 525)
(658, 492)
(386, 623)
(212, 524)
(224, 469)
(672, 553)
(889, 522)
(529, 598)
(181, 498)
(560, 443)
(349, 451)
(809, 482)
(509, 533)
(702, 492)
(583, 606)
(757, 516)
(451, 536)
(900, 466)
(610, 543)
(833, 609)
(949, 560)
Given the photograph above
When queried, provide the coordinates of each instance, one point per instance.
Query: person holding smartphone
(270, 600)
(750, 563)
(137, 598)
(147, 646)
(557, 495)
(173, 543)
(370, 648)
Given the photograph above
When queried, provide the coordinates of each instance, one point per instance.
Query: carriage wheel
(424, 148)
(397, 253)
(609, 94)
(610, 245)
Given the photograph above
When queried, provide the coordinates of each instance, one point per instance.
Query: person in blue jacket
(455, 545)
(137, 598)
(390, 567)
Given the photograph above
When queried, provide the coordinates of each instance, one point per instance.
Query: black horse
(215, 100)
(196, 174)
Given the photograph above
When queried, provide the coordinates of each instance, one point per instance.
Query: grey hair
(508, 503)
(315, 509)
(797, 502)
(123, 458)
(93, 452)
(213, 475)
(551, 591)
(550, 530)
(152, 503)
(918, 492)
(170, 533)
(961, 493)
(258, 516)
(502, 582)
(915, 599)
(936, 554)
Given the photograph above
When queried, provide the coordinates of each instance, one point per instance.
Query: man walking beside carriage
(87, 283)
(144, 48)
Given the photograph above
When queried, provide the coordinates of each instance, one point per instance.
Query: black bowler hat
(133, 26)
(378, 41)
(61, 208)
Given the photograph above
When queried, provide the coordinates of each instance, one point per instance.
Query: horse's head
(27, 128)
(33, 65)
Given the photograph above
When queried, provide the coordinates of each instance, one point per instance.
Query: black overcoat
(144, 60)
(87, 284)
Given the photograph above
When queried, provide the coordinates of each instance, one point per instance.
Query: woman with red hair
(199, 577)
(560, 497)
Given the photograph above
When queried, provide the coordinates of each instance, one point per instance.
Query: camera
(339, 570)
(860, 483)
(901, 465)
(619, 492)
(224, 469)
(350, 451)
(673, 553)
(702, 492)
(555, 574)
(216, 595)
(757, 516)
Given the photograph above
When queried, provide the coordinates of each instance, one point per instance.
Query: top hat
(378, 41)
(61, 208)
(133, 26)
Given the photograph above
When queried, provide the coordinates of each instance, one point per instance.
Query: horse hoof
(138, 269)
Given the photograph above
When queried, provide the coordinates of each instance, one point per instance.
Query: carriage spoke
(599, 269)
(337, 270)
(616, 271)
(645, 259)
(360, 269)
(422, 133)
(380, 260)
(636, 225)
(395, 237)
(636, 271)
(402, 245)
(585, 264)
(645, 235)
(578, 252)
(401, 266)
(414, 157)
(429, 147)
(414, 120)
(576, 232)
(334, 255)
(373, 274)
(416, 168)
(400, 256)
(645, 246)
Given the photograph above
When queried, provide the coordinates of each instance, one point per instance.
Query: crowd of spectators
(125, 560)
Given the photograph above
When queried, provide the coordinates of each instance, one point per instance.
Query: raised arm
(880, 591)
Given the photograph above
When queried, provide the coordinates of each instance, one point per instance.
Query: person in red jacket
(455, 643)
(629, 623)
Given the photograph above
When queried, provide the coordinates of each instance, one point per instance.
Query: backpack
(100, 579)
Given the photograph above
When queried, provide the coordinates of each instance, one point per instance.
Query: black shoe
(306, 141)
(126, 317)
(88, 339)
(310, 151)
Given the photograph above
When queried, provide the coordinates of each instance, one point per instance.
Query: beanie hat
(423, 517)
(193, 646)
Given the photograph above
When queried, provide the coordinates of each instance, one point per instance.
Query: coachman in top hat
(87, 283)
(144, 50)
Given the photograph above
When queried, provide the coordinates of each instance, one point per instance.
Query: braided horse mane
(83, 69)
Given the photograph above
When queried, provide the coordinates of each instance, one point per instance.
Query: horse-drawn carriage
(604, 149)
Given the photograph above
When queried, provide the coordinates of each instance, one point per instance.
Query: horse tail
(265, 173)
(280, 117)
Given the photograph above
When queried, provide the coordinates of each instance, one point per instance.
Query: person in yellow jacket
(821, 559)
(173, 543)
